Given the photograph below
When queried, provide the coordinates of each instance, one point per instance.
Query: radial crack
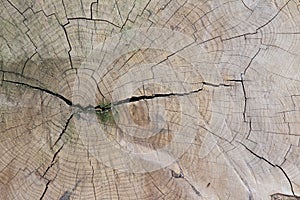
(193, 187)
(63, 131)
(245, 97)
(67, 101)
(260, 27)
(251, 61)
(273, 165)
(144, 97)
(69, 43)
(45, 190)
(53, 161)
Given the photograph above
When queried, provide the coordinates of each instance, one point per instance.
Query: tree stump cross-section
(150, 99)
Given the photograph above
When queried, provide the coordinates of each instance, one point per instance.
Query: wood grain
(202, 99)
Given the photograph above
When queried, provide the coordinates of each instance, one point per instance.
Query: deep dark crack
(67, 101)
(64, 130)
(245, 97)
(280, 196)
(45, 190)
(145, 97)
(216, 85)
(273, 165)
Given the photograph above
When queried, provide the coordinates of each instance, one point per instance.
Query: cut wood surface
(150, 99)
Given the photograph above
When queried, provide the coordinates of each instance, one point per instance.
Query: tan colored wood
(158, 99)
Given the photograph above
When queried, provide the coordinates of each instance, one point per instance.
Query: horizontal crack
(216, 85)
(284, 196)
(144, 97)
(94, 19)
(67, 101)
(109, 106)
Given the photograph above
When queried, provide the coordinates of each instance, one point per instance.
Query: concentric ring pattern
(149, 99)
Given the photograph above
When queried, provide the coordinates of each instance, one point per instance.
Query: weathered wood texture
(150, 99)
